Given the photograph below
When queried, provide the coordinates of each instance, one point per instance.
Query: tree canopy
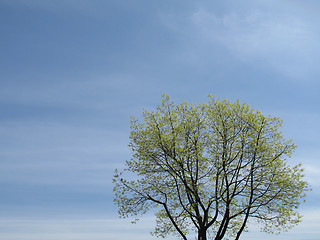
(210, 168)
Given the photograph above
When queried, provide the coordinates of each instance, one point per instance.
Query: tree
(210, 168)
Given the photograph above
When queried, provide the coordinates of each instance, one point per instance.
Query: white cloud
(75, 229)
(281, 40)
(308, 229)
(116, 229)
(312, 173)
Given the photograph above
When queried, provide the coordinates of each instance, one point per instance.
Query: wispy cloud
(277, 39)
(308, 229)
(115, 228)
(75, 70)
(312, 173)
(74, 229)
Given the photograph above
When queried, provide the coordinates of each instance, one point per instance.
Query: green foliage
(211, 166)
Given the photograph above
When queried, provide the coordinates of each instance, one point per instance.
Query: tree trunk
(202, 234)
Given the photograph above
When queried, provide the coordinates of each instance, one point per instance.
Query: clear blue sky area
(73, 71)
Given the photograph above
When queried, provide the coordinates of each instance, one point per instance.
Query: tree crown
(212, 166)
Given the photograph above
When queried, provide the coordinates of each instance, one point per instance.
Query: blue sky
(73, 71)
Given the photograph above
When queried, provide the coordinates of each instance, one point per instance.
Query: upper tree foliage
(210, 168)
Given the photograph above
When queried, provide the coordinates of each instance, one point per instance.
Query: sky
(72, 72)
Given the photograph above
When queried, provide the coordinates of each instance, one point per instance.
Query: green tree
(210, 168)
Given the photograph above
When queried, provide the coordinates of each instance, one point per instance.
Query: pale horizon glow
(72, 72)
